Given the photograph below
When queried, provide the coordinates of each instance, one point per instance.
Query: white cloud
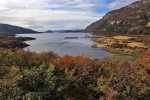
(44, 15)
(120, 3)
(48, 19)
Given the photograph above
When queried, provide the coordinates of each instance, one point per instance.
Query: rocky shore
(11, 41)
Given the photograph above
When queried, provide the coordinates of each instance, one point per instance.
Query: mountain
(132, 19)
(64, 31)
(5, 28)
(75, 31)
(49, 31)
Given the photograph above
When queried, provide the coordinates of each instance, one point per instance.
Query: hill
(64, 31)
(6, 28)
(132, 19)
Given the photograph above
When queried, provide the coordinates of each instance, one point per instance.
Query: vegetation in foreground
(27, 75)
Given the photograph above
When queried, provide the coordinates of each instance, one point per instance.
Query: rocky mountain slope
(5, 28)
(132, 19)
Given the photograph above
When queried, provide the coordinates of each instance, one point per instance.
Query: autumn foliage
(46, 76)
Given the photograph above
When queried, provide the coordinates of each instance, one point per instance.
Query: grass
(123, 56)
(128, 45)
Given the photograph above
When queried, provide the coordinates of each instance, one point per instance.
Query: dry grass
(101, 45)
(137, 44)
(119, 37)
(130, 41)
(106, 40)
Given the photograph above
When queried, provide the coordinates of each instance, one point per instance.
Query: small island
(71, 38)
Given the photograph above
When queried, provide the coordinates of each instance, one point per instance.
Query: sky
(43, 15)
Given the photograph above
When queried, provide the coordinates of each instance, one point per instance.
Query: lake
(56, 42)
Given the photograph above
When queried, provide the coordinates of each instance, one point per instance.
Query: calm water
(56, 42)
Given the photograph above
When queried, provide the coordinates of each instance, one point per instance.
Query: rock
(148, 25)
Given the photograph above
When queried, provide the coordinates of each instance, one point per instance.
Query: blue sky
(42, 15)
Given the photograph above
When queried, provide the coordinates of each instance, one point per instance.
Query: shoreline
(122, 45)
(12, 41)
(114, 52)
(119, 54)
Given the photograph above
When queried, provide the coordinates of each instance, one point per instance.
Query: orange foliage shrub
(46, 76)
(78, 66)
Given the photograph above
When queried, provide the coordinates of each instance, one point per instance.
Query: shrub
(46, 76)
(118, 45)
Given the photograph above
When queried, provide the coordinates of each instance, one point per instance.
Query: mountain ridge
(132, 19)
(65, 31)
(12, 29)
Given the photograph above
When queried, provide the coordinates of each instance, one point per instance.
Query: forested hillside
(132, 19)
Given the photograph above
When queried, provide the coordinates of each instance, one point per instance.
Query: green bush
(118, 45)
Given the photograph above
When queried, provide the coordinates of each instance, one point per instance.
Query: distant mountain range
(132, 19)
(11, 29)
(64, 31)
(6, 28)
